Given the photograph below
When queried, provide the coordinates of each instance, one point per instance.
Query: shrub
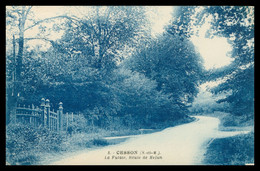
(100, 142)
(25, 143)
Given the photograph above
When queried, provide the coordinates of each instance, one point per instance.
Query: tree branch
(51, 18)
(38, 38)
(27, 12)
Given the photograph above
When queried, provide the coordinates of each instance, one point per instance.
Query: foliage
(236, 23)
(205, 102)
(163, 72)
(139, 100)
(75, 123)
(183, 22)
(21, 139)
(242, 86)
(238, 150)
(173, 63)
(26, 145)
(99, 36)
(100, 142)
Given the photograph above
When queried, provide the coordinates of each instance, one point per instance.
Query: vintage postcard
(129, 85)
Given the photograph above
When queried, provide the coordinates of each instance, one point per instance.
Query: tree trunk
(19, 61)
(19, 58)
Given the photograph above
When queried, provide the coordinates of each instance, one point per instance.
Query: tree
(139, 103)
(19, 14)
(102, 34)
(89, 64)
(183, 22)
(241, 101)
(174, 64)
(205, 102)
(237, 24)
(19, 20)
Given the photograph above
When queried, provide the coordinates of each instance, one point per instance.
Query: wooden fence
(40, 116)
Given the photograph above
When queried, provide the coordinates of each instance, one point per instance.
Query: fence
(40, 116)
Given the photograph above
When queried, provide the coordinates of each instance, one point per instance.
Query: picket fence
(40, 116)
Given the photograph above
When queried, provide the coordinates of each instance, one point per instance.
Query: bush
(25, 143)
(100, 142)
(77, 125)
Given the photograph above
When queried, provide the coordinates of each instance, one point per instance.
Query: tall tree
(17, 18)
(19, 21)
(19, 14)
(174, 64)
(102, 34)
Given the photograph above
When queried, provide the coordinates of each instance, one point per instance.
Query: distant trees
(206, 103)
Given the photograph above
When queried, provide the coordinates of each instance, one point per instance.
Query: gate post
(47, 105)
(60, 114)
(43, 121)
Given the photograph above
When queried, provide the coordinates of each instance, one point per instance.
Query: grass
(237, 150)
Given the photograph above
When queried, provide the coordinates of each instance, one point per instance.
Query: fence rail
(40, 116)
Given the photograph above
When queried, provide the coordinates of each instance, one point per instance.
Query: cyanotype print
(129, 85)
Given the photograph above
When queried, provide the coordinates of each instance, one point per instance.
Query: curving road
(180, 145)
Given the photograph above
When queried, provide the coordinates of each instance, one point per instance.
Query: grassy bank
(237, 150)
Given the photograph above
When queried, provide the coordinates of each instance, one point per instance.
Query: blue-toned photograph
(129, 85)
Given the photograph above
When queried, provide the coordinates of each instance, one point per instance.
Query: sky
(215, 51)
